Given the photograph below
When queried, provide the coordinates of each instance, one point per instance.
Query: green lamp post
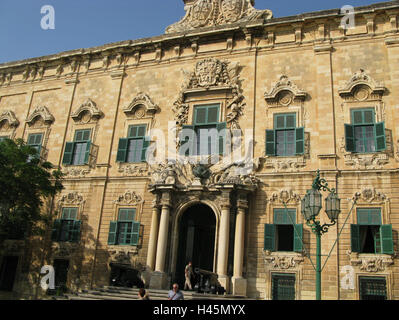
(311, 205)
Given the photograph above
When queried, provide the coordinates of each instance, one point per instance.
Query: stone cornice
(170, 40)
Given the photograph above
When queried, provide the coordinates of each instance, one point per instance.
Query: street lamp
(310, 208)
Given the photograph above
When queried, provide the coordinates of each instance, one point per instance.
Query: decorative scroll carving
(212, 74)
(42, 112)
(77, 171)
(130, 198)
(370, 263)
(12, 247)
(208, 13)
(284, 93)
(285, 196)
(63, 249)
(87, 112)
(9, 117)
(282, 261)
(292, 164)
(141, 106)
(122, 255)
(362, 87)
(133, 170)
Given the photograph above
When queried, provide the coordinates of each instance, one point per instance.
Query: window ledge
(283, 260)
(370, 262)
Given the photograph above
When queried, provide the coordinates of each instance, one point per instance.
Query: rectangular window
(78, 151)
(206, 136)
(285, 139)
(284, 234)
(124, 231)
(134, 147)
(364, 135)
(67, 229)
(369, 235)
(373, 288)
(283, 286)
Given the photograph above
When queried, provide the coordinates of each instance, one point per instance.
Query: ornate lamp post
(311, 205)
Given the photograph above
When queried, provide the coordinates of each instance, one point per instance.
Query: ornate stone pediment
(285, 196)
(87, 112)
(9, 117)
(129, 198)
(141, 106)
(362, 87)
(284, 92)
(370, 262)
(209, 13)
(123, 256)
(369, 195)
(42, 112)
(63, 250)
(283, 261)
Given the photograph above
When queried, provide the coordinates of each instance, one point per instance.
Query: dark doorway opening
(196, 241)
(7, 273)
(125, 276)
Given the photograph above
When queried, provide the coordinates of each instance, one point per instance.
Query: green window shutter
(135, 234)
(299, 140)
(285, 217)
(87, 152)
(270, 142)
(55, 234)
(68, 153)
(187, 137)
(113, 228)
(298, 236)
(75, 235)
(386, 239)
(355, 238)
(146, 144)
(222, 136)
(380, 139)
(39, 150)
(122, 150)
(269, 240)
(350, 137)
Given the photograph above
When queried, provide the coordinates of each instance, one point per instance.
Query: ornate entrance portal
(196, 240)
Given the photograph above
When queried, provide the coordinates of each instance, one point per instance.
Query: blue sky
(88, 23)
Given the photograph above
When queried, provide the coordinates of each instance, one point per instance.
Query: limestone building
(307, 91)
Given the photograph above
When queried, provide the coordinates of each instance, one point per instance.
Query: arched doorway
(196, 240)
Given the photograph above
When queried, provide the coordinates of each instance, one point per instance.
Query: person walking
(175, 293)
(188, 273)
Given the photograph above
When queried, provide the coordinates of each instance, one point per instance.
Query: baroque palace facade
(308, 92)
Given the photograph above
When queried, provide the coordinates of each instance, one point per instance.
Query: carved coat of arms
(231, 10)
(207, 72)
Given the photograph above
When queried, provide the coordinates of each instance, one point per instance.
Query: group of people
(175, 293)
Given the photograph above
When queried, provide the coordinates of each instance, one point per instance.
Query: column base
(239, 286)
(224, 282)
(146, 277)
(159, 280)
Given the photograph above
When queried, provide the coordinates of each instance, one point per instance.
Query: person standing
(188, 273)
(143, 295)
(175, 293)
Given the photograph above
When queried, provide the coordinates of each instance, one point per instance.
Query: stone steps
(121, 293)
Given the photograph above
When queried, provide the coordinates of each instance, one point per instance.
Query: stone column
(239, 283)
(152, 244)
(223, 243)
(159, 277)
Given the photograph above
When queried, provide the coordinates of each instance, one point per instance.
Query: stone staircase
(120, 293)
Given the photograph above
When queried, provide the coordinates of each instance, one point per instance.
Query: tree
(25, 183)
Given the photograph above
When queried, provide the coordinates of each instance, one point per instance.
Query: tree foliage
(26, 183)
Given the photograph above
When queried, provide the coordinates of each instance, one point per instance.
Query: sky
(88, 23)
